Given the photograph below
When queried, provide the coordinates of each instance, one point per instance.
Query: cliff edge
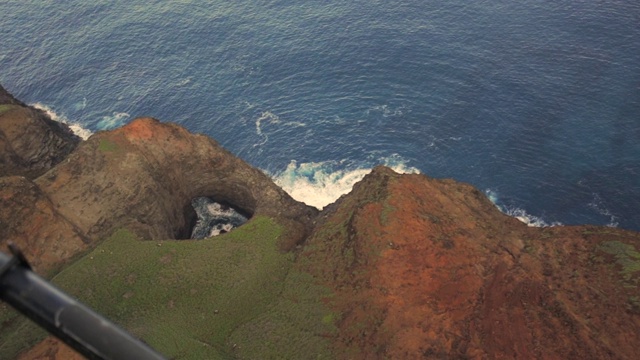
(428, 268)
(30, 142)
(144, 175)
(141, 177)
(404, 266)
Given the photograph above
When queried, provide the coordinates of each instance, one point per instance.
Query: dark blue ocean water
(535, 102)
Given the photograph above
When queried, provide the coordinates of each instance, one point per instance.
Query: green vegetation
(627, 257)
(234, 295)
(6, 107)
(634, 304)
(296, 326)
(17, 332)
(387, 209)
(593, 230)
(107, 145)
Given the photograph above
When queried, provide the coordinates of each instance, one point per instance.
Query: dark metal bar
(80, 327)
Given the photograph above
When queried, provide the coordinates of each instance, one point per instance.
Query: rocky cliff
(30, 142)
(144, 175)
(404, 266)
(141, 177)
(427, 268)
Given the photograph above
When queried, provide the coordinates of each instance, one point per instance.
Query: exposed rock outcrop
(30, 142)
(7, 99)
(30, 220)
(51, 349)
(144, 175)
(426, 268)
(413, 267)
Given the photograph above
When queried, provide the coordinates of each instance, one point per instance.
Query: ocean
(536, 103)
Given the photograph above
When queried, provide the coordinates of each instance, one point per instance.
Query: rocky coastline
(404, 266)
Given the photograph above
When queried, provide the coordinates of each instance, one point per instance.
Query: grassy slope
(6, 107)
(234, 295)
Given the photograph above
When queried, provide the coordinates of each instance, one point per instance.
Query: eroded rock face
(426, 268)
(51, 349)
(144, 175)
(31, 221)
(8, 99)
(418, 267)
(30, 142)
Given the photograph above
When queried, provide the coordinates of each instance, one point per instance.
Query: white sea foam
(216, 210)
(75, 127)
(80, 105)
(518, 213)
(319, 184)
(598, 205)
(184, 81)
(492, 195)
(269, 118)
(386, 110)
(220, 229)
(214, 218)
(116, 119)
(530, 220)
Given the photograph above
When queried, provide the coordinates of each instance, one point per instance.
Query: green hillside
(232, 296)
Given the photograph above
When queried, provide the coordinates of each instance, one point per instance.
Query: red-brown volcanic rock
(50, 349)
(31, 221)
(426, 268)
(419, 268)
(144, 175)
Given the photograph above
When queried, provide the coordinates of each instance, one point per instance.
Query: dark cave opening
(215, 217)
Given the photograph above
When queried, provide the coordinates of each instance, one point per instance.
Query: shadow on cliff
(404, 266)
(144, 176)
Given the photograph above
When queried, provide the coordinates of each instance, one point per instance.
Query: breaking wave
(75, 127)
(518, 213)
(214, 218)
(319, 184)
(116, 119)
